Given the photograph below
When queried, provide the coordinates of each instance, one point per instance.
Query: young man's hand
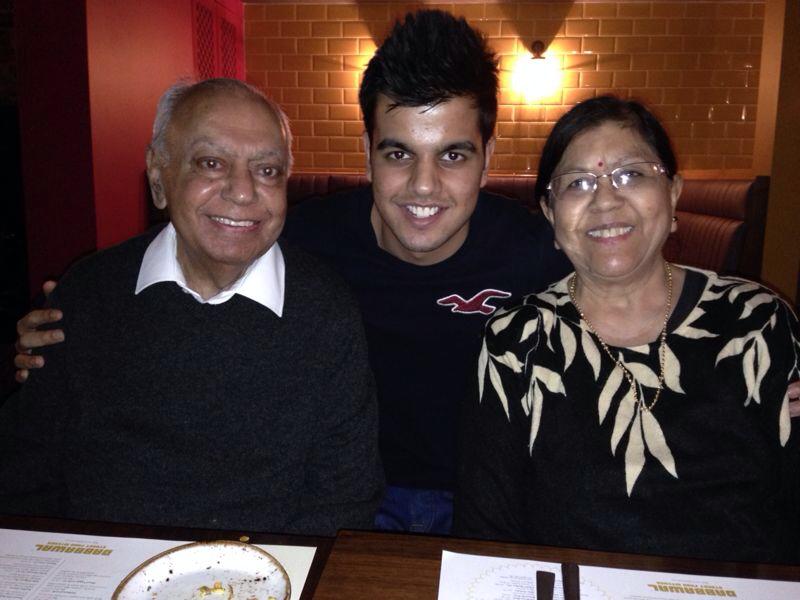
(30, 338)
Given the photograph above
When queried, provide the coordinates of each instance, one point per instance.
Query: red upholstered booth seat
(720, 222)
(308, 185)
(721, 225)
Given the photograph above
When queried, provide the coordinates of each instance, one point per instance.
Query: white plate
(222, 570)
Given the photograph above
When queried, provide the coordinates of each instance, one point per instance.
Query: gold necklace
(662, 349)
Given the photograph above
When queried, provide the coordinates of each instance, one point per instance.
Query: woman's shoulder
(524, 316)
(738, 299)
(745, 325)
(729, 283)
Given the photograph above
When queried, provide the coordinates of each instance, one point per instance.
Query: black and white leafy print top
(556, 450)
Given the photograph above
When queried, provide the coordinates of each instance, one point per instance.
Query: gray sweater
(160, 410)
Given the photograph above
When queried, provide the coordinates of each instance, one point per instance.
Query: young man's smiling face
(427, 165)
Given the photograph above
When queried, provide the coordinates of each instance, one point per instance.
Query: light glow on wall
(536, 79)
(366, 51)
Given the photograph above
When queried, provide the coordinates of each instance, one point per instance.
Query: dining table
(373, 565)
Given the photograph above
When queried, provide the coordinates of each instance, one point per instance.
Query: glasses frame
(659, 168)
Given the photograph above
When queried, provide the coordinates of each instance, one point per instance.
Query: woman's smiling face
(612, 235)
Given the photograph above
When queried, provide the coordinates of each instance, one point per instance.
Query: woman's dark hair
(428, 59)
(594, 113)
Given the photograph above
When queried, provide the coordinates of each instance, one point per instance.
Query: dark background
(13, 256)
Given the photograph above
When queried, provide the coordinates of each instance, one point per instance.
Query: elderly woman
(635, 405)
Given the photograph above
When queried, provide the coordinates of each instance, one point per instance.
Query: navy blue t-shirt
(424, 323)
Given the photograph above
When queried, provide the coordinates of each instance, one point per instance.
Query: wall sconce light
(535, 76)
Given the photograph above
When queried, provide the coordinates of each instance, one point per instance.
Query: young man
(429, 255)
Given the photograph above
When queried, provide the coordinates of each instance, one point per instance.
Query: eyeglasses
(627, 178)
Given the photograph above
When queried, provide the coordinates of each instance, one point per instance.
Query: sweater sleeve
(31, 435)
(344, 477)
(494, 459)
(781, 352)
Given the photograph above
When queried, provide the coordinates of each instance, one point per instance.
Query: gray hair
(178, 93)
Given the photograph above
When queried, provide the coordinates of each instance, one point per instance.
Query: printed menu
(54, 566)
(470, 577)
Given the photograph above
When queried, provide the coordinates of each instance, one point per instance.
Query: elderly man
(210, 377)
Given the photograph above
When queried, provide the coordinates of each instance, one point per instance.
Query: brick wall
(695, 63)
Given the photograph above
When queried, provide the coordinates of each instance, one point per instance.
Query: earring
(674, 219)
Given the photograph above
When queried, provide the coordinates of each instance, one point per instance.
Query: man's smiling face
(427, 165)
(223, 180)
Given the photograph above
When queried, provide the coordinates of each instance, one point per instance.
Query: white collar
(262, 282)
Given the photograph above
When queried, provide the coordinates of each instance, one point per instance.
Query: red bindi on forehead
(600, 163)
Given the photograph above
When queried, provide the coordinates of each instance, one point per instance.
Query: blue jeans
(415, 510)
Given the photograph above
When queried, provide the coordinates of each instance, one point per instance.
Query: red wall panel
(90, 74)
(136, 50)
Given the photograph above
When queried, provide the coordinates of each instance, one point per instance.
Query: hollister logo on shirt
(476, 304)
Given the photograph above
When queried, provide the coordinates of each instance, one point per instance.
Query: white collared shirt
(262, 282)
